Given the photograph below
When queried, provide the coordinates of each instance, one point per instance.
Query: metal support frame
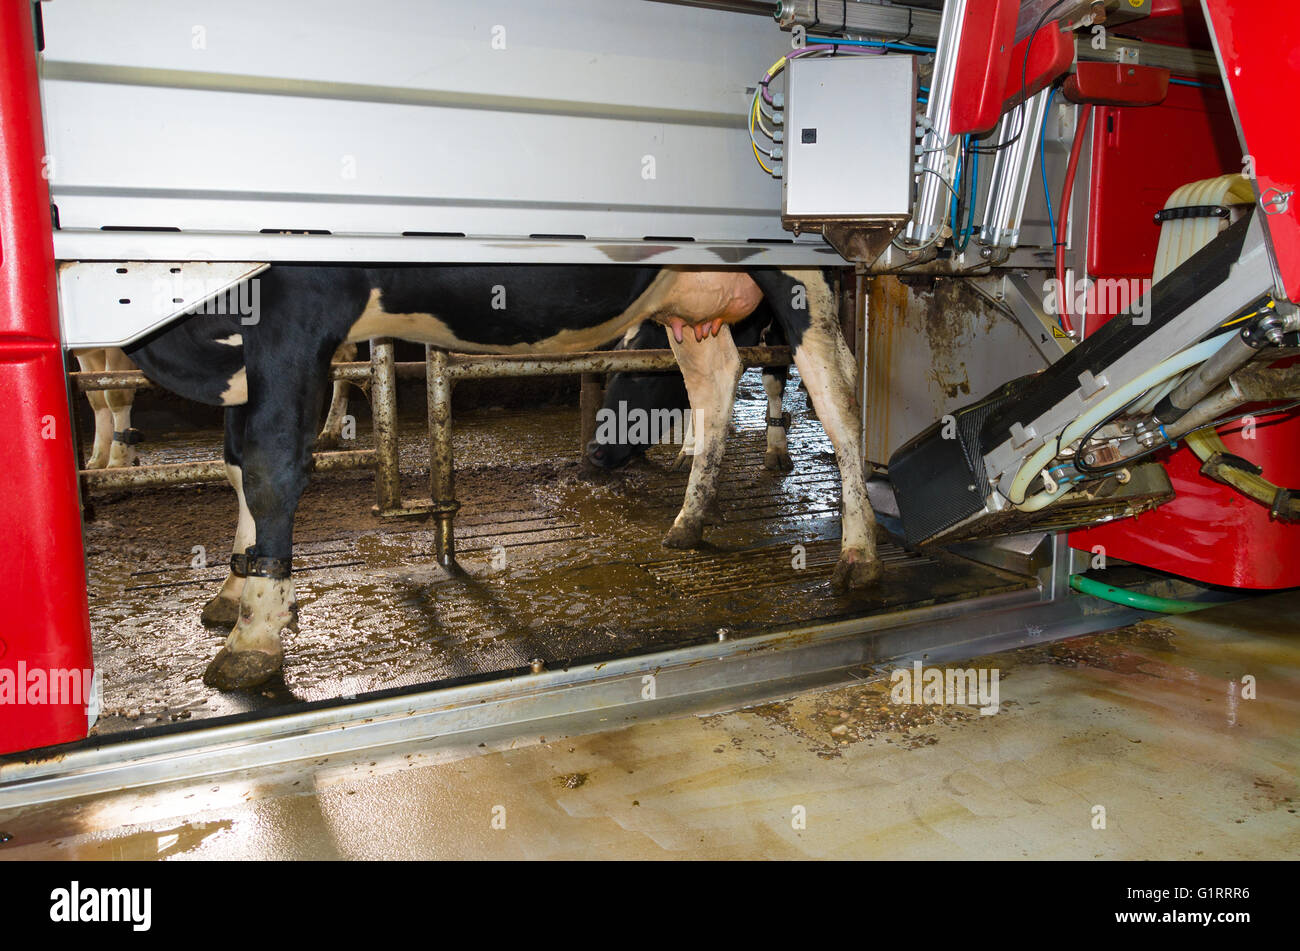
(443, 369)
(1013, 171)
(442, 460)
(898, 21)
(383, 458)
(185, 473)
(930, 209)
(1014, 294)
(383, 422)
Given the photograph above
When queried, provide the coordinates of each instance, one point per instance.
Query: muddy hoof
(682, 463)
(220, 612)
(241, 670)
(684, 536)
(856, 569)
(777, 460)
(328, 442)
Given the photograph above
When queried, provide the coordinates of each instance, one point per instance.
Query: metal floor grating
(560, 566)
(701, 574)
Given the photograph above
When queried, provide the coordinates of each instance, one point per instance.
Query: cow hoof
(856, 569)
(682, 463)
(777, 460)
(327, 442)
(684, 535)
(242, 670)
(220, 612)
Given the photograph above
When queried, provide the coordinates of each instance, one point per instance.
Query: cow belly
(693, 296)
(375, 321)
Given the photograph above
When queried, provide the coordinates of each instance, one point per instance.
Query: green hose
(1135, 599)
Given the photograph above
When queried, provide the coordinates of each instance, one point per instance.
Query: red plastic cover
(983, 65)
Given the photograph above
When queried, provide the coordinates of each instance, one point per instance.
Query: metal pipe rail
(180, 473)
(467, 366)
(444, 369)
(441, 370)
(383, 410)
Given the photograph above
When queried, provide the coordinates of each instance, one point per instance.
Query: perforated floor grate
(699, 574)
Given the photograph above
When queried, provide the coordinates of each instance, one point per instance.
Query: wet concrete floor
(1151, 723)
(564, 565)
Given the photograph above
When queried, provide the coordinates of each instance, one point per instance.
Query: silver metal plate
(110, 304)
(512, 130)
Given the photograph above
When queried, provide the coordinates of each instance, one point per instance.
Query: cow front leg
(278, 435)
(777, 456)
(806, 309)
(711, 368)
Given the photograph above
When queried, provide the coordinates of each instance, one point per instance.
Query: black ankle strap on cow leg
(781, 422)
(129, 437)
(252, 565)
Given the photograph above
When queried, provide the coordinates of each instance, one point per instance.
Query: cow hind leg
(94, 361)
(777, 456)
(806, 309)
(122, 451)
(711, 369)
(223, 610)
(685, 455)
(278, 435)
(331, 432)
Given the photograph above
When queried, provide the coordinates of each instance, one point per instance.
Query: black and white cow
(644, 393)
(115, 440)
(271, 372)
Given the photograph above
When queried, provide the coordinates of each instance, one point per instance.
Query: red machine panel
(1208, 532)
(992, 75)
(1117, 84)
(983, 65)
(1139, 156)
(45, 654)
(1257, 46)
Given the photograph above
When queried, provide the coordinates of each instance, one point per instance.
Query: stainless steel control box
(850, 133)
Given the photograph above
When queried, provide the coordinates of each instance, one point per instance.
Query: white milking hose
(1148, 402)
(1109, 407)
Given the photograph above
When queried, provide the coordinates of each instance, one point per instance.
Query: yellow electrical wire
(753, 113)
(1269, 306)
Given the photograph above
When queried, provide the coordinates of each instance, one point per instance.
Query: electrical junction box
(850, 133)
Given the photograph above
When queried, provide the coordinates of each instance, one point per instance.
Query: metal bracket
(1090, 386)
(112, 303)
(1023, 436)
(1014, 295)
